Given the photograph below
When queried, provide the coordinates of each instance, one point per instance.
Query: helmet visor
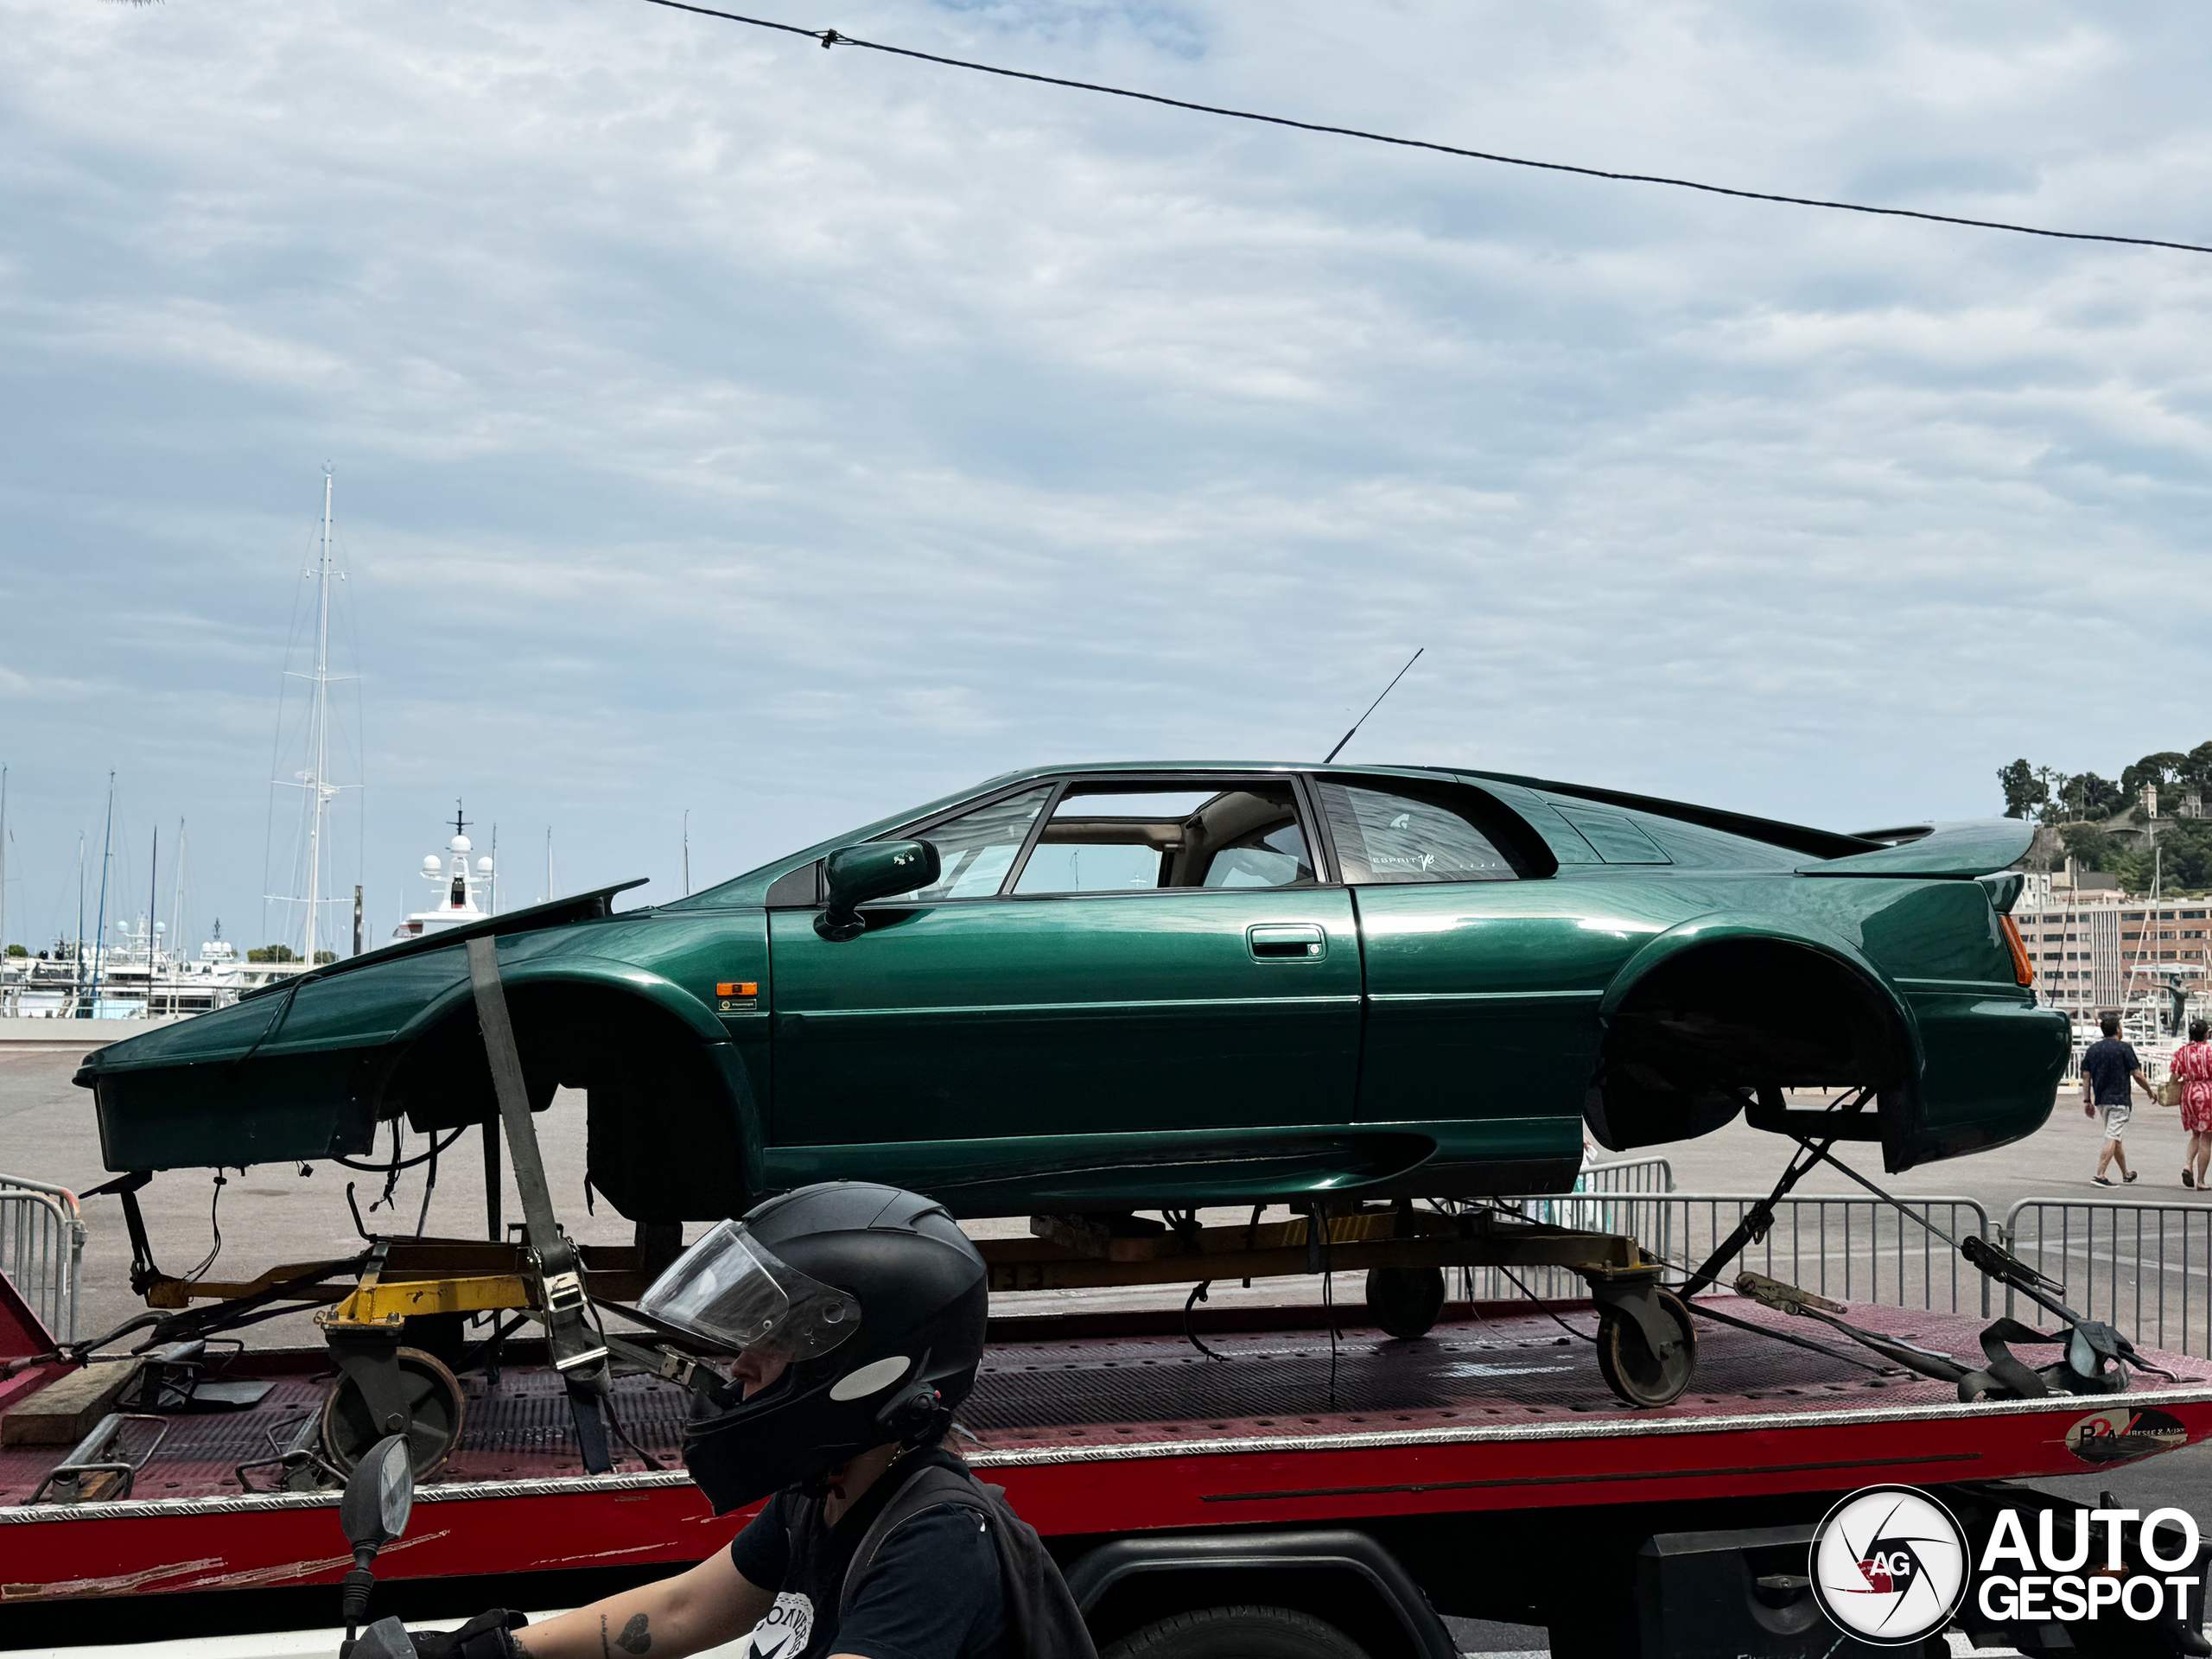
(732, 1291)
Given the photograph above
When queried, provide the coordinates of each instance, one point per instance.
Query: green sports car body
(1128, 986)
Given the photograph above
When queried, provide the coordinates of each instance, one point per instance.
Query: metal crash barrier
(1847, 1247)
(2146, 1268)
(42, 1249)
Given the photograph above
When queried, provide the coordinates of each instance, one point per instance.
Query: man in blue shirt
(2108, 1070)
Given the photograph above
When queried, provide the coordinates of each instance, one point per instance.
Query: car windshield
(977, 850)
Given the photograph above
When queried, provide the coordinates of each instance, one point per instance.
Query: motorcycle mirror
(378, 1494)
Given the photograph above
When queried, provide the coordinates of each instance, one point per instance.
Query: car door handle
(1287, 942)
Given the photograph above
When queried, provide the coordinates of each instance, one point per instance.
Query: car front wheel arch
(1692, 1040)
(666, 1113)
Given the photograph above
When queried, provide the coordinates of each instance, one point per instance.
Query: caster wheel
(433, 1403)
(1405, 1301)
(1631, 1370)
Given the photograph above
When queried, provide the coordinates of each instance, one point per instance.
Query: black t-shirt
(932, 1592)
(2108, 1066)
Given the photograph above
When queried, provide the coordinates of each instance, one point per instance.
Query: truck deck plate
(1129, 1433)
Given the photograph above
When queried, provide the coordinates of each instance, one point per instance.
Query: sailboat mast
(153, 898)
(3, 863)
(100, 921)
(176, 914)
(319, 728)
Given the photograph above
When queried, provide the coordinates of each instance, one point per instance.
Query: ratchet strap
(579, 1353)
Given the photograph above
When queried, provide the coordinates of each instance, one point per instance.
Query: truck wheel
(1630, 1368)
(1250, 1633)
(1405, 1301)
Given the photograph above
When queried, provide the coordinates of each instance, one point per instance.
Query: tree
(17, 950)
(2162, 769)
(2090, 797)
(2185, 854)
(2092, 849)
(2197, 768)
(2023, 793)
(271, 953)
(2054, 784)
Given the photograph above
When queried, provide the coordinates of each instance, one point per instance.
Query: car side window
(1146, 835)
(976, 851)
(1383, 836)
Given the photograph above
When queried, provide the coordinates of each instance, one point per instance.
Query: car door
(1486, 954)
(1150, 967)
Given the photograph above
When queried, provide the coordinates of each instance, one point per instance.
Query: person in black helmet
(855, 1313)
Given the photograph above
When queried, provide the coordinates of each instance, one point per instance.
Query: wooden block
(68, 1408)
(1104, 1238)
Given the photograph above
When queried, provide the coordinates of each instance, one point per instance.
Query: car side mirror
(379, 1494)
(875, 869)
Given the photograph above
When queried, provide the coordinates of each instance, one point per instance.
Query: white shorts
(2116, 1118)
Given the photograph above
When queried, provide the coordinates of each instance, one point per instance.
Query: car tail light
(2023, 970)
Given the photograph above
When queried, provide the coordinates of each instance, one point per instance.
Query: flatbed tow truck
(1296, 1461)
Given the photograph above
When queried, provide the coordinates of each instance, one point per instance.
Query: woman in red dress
(2192, 1063)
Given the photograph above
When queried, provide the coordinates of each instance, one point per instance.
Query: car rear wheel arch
(1702, 1021)
(671, 1127)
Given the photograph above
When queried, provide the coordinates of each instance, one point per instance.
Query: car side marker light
(2023, 971)
(738, 987)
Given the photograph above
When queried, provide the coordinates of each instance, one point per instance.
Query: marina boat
(458, 881)
(127, 981)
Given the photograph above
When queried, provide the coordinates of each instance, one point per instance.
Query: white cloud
(794, 436)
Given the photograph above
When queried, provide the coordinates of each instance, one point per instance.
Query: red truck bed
(1095, 1427)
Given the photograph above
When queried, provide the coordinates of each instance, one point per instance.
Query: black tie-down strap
(578, 1354)
(2095, 1361)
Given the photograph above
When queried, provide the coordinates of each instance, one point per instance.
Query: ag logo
(2121, 1435)
(1889, 1565)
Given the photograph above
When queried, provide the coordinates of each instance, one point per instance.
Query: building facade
(2095, 948)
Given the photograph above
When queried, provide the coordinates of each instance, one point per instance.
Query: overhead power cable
(830, 37)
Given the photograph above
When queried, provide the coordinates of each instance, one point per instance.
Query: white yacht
(458, 881)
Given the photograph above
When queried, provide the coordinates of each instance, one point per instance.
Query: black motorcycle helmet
(873, 1299)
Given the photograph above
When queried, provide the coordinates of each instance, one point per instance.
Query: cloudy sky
(787, 435)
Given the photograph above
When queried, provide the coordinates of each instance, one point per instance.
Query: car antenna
(1372, 707)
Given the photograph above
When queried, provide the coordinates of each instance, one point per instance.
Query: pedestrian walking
(2108, 1071)
(2193, 1066)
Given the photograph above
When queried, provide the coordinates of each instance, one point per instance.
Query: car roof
(1819, 844)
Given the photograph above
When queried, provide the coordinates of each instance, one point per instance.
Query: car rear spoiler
(1968, 848)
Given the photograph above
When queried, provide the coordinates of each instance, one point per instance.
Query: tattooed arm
(712, 1604)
